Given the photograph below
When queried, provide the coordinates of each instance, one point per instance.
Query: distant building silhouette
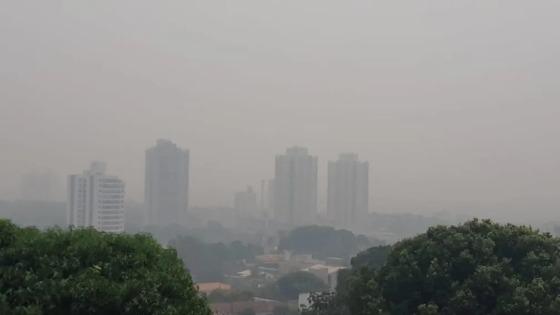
(96, 200)
(39, 185)
(295, 187)
(167, 184)
(348, 190)
(269, 197)
(269, 203)
(246, 201)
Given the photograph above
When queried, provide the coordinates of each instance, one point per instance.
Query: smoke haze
(454, 103)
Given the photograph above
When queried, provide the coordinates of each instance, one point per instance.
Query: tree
(323, 242)
(362, 295)
(211, 262)
(324, 303)
(476, 268)
(84, 271)
(357, 291)
(373, 258)
(292, 284)
(479, 267)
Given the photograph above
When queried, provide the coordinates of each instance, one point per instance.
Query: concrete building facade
(166, 184)
(348, 190)
(95, 199)
(295, 187)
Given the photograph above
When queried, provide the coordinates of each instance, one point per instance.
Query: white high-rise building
(167, 184)
(96, 200)
(295, 187)
(348, 190)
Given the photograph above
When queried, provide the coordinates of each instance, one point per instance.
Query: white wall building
(295, 187)
(328, 274)
(96, 200)
(348, 190)
(167, 184)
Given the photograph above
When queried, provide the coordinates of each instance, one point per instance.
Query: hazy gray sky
(455, 103)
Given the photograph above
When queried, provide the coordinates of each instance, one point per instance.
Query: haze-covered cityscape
(279, 158)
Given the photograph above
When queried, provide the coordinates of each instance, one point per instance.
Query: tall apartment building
(348, 190)
(96, 200)
(166, 184)
(295, 187)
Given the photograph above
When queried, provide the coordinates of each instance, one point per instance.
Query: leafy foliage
(88, 272)
(292, 284)
(373, 258)
(210, 262)
(289, 286)
(356, 292)
(323, 242)
(476, 268)
(324, 303)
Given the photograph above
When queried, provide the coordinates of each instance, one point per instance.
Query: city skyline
(293, 194)
(323, 193)
(455, 115)
(280, 157)
(263, 199)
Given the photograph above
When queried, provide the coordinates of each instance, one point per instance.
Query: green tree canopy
(292, 284)
(479, 267)
(83, 271)
(324, 241)
(476, 268)
(373, 258)
(211, 261)
(356, 287)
